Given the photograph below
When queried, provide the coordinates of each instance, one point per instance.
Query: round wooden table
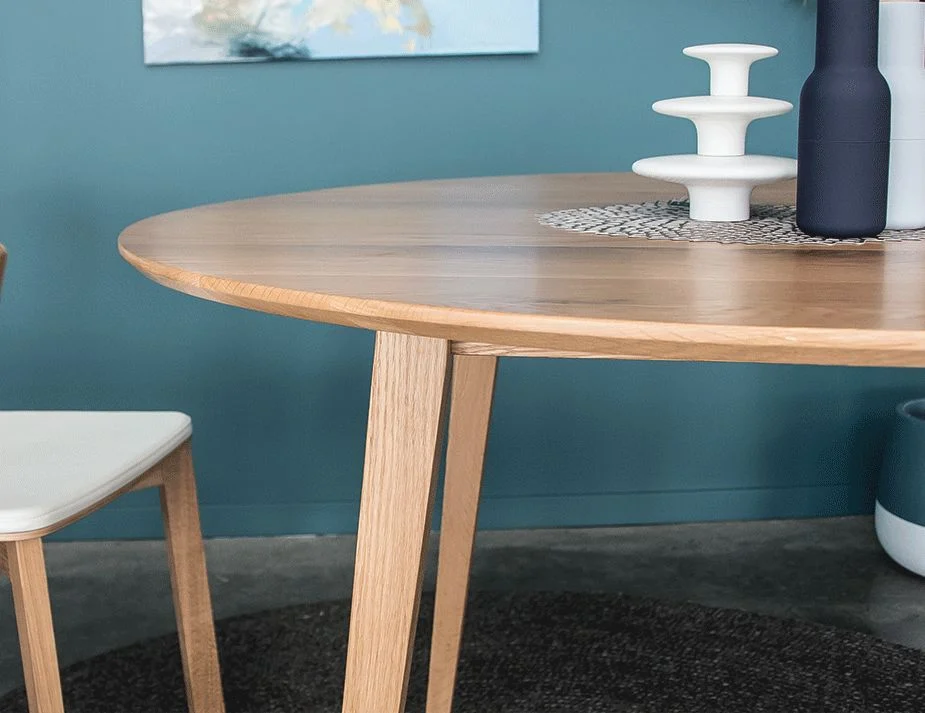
(454, 274)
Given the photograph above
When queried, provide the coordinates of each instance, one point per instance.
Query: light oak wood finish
(154, 478)
(34, 623)
(477, 349)
(410, 377)
(470, 413)
(466, 260)
(190, 584)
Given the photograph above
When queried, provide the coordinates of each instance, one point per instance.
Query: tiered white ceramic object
(720, 178)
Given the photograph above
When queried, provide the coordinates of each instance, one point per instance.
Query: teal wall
(91, 140)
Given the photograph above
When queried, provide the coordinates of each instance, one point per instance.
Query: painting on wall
(198, 31)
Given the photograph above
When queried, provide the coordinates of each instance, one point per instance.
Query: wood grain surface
(190, 582)
(34, 624)
(403, 439)
(473, 387)
(465, 260)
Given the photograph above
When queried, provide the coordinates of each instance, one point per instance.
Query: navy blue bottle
(844, 147)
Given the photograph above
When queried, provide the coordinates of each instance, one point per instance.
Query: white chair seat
(56, 464)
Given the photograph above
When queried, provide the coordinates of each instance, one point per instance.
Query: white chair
(57, 467)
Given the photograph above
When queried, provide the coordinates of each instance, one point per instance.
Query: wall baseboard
(586, 510)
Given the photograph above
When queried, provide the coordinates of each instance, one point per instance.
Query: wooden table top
(466, 260)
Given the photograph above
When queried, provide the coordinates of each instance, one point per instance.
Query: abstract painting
(196, 31)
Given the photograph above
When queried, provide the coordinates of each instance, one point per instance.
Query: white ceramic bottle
(902, 62)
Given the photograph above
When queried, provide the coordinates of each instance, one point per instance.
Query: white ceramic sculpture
(720, 178)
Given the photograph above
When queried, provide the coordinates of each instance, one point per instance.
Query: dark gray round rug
(533, 653)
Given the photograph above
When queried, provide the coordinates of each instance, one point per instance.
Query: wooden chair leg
(26, 562)
(402, 446)
(470, 412)
(191, 598)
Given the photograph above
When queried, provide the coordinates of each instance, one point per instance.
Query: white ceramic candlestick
(720, 178)
(730, 65)
(722, 122)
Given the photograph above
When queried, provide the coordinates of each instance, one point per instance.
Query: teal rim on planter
(900, 511)
(902, 477)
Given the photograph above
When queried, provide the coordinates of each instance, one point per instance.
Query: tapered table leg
(410, 376)
(470, 412)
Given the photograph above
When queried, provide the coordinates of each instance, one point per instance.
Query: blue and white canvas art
(196, 31)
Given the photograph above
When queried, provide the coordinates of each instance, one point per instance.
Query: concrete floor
(108, 594)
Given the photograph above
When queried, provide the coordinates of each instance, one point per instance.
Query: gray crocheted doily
(669, 220)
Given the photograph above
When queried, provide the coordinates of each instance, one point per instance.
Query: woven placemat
(670, 220)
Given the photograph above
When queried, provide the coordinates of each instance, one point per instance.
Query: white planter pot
(902, 540)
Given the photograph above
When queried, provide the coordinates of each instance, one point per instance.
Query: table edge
(521, 334)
